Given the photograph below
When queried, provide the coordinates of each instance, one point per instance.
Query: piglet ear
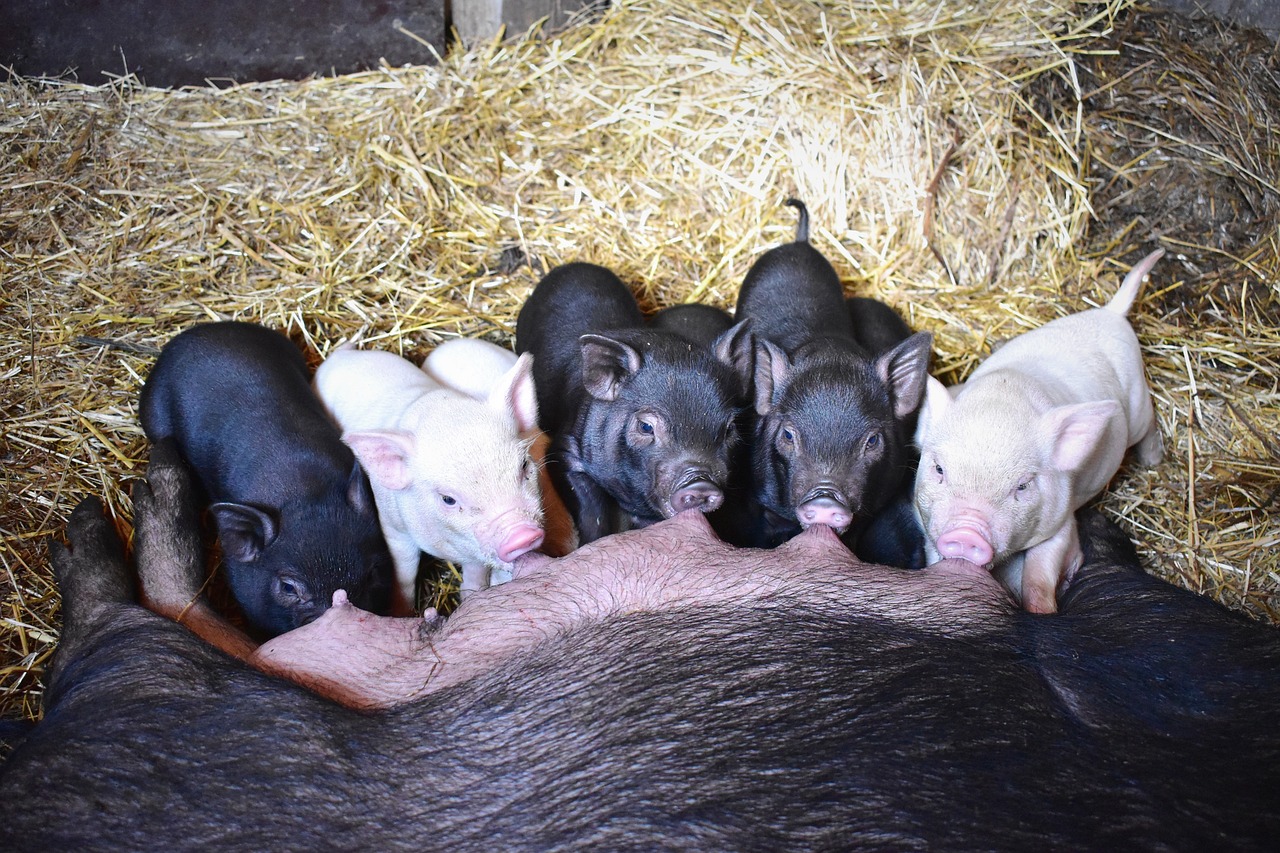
(244, 531)
(937, 400)
(736, 347)
(514, 393)
(359, 493)
(385, 454)
(606, 365)
(904, 370)
(772, 369)
(1072, 432)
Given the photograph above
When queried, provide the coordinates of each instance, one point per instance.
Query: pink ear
(385, 455)
(516, 393)
(1074, 431)
(937, 400)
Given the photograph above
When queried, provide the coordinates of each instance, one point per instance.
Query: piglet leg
(169, 556)
(475, 576)
(592, 507)
(1046, 565)
(405, 556)
(1150, 448)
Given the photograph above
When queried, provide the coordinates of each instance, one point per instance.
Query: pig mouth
(824, 505)
(696, 490)
(968, 540)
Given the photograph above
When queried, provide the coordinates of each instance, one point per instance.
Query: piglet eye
(448, 500)
(646, 428)
(937, 469)
(873, 441)
(788, 436)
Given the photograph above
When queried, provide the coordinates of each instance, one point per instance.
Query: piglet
(641, 421)
(475, 367)
(452, 474)
(830, 442)
(1039, 429)
(294, 512)
(697, 323)
(892, 537)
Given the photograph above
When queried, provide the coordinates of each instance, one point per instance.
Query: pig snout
(967, 541)
(523, 539)
(825, 505)
(696, 491)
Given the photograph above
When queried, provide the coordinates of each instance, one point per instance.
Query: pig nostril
(520, 542)
(966, 545)
(700, 495)
(825, 510)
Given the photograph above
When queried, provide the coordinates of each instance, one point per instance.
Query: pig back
(570, 301)
(236, 399)
(793, 296)
(469, 365)
(696, 323)
(876, 327)
(1090, 355)
(370, 389)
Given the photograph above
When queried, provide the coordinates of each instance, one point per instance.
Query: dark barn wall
(186, 42)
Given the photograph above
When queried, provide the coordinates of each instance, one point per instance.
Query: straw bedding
(981, 171)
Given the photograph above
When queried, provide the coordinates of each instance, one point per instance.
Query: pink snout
(702, 495)
(828, 511)
(966, 543)
(522, 540)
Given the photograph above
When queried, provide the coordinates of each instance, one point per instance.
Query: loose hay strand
(405, 206)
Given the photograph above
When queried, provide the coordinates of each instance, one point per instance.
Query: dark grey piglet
(893, 536)
(642, 422)
(294, 511)
(696, 323)
(830, 438)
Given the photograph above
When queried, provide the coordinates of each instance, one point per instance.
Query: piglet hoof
(1150, 448)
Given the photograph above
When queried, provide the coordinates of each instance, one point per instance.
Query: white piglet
(451, 474)
(1037, 431)
(475, 368)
